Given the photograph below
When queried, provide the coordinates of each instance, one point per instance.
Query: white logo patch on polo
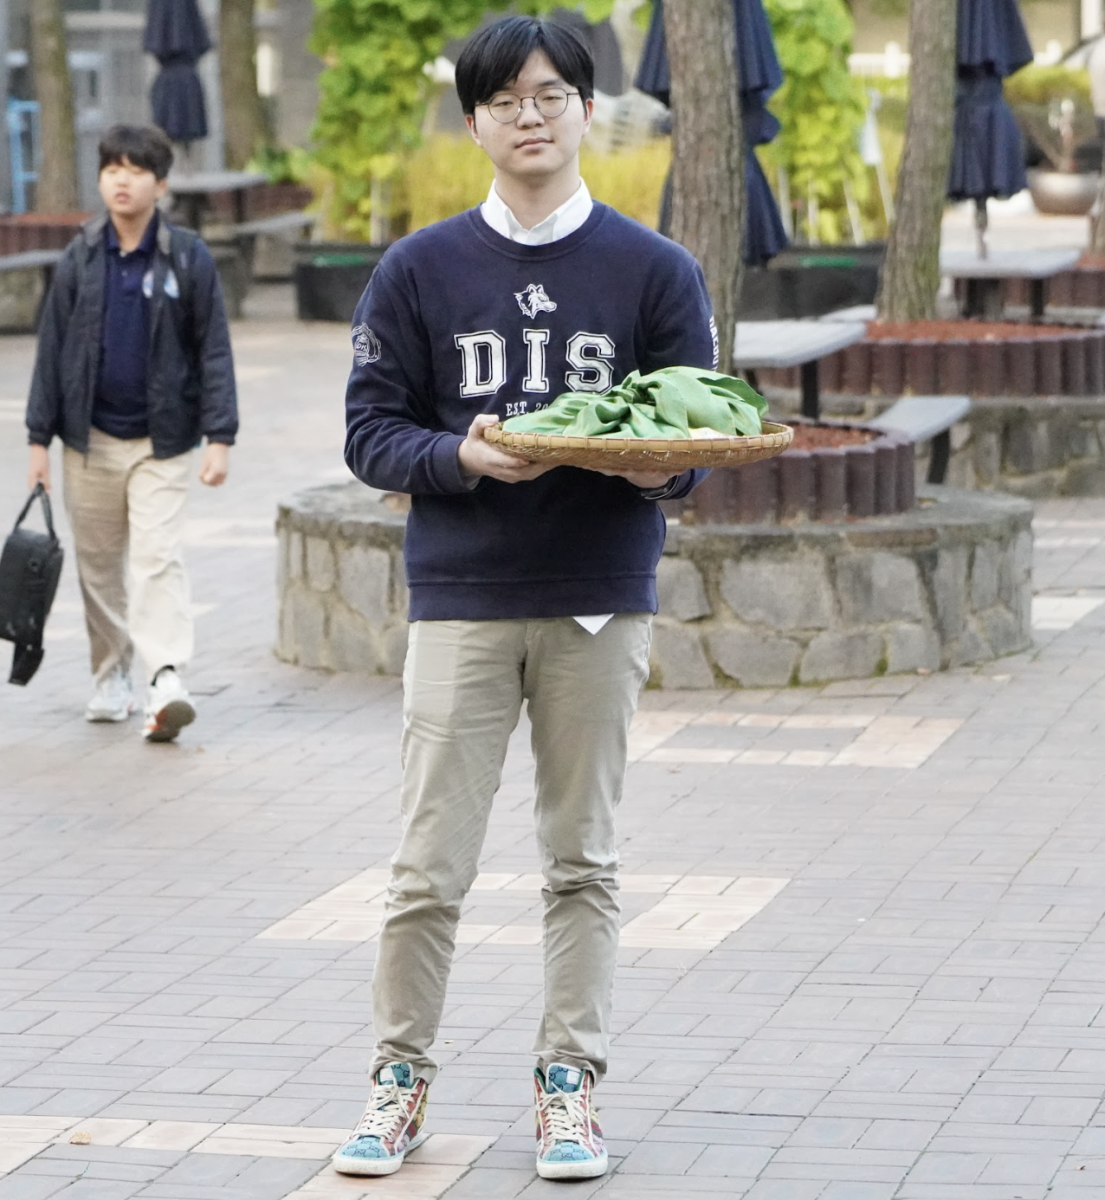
(366, 346)
(533, 300)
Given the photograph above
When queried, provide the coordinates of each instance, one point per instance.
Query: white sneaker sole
(590, 1169)
(376, 1166)
(170, 720)
(101, 716)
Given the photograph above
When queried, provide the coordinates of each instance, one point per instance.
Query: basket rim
(774, 436)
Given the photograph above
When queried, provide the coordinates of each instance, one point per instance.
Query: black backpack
(30, 567)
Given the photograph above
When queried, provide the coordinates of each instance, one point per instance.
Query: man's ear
(470, 121)
(162, 187)
(588, 113)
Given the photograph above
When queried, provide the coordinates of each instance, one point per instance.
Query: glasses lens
(551, 102)
(504, 107)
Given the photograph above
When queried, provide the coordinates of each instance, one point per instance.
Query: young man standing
(133, 367)
(526, 582)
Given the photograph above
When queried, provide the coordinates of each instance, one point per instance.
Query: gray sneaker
(113, 699)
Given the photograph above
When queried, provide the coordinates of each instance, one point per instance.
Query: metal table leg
(1037, 297)
(811, 390)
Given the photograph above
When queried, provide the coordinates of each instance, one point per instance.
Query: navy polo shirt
(119, 407)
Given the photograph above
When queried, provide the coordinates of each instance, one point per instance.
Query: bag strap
(39, 493)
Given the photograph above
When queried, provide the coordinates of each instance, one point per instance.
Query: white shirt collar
(565, 220)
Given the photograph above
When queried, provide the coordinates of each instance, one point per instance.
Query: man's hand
(39, 469)
(215, 464)
(478, 457)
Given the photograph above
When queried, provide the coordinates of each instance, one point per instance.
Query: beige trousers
(464, 683)
(126, 509)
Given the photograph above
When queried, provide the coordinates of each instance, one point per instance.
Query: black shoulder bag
(30, 567)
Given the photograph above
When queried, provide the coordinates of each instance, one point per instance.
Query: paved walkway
(864, 955)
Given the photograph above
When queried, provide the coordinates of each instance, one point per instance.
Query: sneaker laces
(566, 1115)
(385, 1110)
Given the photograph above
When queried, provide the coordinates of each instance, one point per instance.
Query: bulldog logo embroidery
(366, 346)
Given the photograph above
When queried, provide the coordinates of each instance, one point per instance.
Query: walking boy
(133, 367)
(526, 583)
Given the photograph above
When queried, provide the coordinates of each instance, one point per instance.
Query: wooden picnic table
(984, 277)
(194, 192)
(760, 345)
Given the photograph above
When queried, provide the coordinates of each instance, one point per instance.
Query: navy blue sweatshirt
(458, 320)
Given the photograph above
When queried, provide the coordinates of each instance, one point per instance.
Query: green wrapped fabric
(674, 402)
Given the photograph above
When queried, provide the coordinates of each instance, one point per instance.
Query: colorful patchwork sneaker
(391, 1125)
(569, 1140)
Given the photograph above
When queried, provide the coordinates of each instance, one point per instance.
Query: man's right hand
(478, 457)
(39, 469)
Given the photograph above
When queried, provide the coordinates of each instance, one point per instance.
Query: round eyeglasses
(505, 107)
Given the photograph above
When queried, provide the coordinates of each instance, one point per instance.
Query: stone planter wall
(741, 605)
(1029, 446)
(340, 578)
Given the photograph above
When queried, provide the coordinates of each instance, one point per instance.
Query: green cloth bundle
(674, 402)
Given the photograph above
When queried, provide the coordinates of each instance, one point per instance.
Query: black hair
(494, 56)
(145, 146)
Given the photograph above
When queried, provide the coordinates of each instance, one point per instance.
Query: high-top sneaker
(569, 1140)
(392, 1124)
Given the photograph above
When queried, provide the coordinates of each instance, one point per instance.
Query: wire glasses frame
(506, 108)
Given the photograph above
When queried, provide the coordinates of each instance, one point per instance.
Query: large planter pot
(330, 278)
(809, 281)
(1064, 193)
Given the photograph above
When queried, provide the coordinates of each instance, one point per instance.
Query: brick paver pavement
(864, 956)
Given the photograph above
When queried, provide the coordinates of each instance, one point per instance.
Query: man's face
(532, 146)
(129, 190)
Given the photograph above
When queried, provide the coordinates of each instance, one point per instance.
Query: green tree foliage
(821, 107)
(374, 90)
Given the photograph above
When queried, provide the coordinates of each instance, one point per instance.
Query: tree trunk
(707, 151)
(56, 190)
(246, 128)
(911, 271)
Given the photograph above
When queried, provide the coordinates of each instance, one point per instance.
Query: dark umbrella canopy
(760, 75)
(177, 37)
(987, 152)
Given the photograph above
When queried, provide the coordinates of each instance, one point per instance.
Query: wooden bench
(289, 225)
(927, 418)
(42, 261)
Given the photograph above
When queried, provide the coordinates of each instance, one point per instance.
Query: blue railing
(25, 149)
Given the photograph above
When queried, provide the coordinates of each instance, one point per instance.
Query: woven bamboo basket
(629, 454)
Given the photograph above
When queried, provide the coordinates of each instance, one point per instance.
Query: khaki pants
(464, 683)
(126, 508)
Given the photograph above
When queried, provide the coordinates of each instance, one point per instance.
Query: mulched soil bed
(818, 437)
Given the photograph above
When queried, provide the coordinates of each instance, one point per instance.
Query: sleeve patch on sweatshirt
(366, 346)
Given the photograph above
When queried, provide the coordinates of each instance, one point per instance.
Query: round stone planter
(39, 231)
(874, 474)
(964, 357)
(740, 605)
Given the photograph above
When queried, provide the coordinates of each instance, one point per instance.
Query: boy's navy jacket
(190, 378)
(459, 320)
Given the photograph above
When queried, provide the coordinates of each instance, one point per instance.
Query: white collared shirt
(558, 224)
(565, 220)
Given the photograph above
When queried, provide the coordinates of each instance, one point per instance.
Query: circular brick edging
(740, 605)
(1064, 361)
(824, 483)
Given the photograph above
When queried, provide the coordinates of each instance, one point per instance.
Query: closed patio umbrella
(760, 76)
(176, 36)
(987, 151)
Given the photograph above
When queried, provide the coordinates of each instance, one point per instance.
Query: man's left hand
(215, 464)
